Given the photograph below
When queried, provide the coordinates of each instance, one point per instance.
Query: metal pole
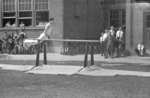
(38, 54)
(86, 55)
(92, 55)
(45, 53)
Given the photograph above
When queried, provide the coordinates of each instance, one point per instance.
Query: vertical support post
(86, 55)
(45, 53)
(38, 54)
(92, 55)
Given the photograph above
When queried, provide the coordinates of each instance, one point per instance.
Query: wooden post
(45, 53)
(38, 54)
(92, 55)
(86, 55)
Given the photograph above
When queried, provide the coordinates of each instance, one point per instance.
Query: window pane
(42, 17)
(10, 21)
(114, 18)
(25, 14)
(142, 0)
(26, 22)
(148, 21)
(8, 5)
(25, 5)
(123, 17)
(9, 14)
(41, 4)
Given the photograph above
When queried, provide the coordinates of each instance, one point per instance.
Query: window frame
(120, 19)
(17, 11)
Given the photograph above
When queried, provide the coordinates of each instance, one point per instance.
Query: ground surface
(15, 84)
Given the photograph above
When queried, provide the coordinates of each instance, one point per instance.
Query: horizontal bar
(70, 40)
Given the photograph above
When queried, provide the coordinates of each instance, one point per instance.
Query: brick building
(78, 19)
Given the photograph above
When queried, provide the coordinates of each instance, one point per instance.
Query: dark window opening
(114, 18)
(42, 17)
(25, 14)
(123, 17)
(142, 1)
(8, 21)
(27, 22)
(9, 14)
(117, 17)
(148, 21)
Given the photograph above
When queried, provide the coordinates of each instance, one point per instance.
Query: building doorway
(146, 29)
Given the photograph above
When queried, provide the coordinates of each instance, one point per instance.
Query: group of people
(8, 24)
(112, 42)
(12, 43)
(17, 42)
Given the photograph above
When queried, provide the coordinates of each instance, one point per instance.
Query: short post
(45, 53)
(92, 55)
(86, 55)
(38, 54)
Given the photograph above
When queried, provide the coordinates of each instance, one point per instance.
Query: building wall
(83, 19)
(56, 8)
(56, 11)
(134, 24)
(129, 18)
(137, 24)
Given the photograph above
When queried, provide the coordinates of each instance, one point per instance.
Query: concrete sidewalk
(77, 69)
(74, 70)
(97, 58)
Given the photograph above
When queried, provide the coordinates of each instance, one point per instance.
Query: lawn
(15, 84)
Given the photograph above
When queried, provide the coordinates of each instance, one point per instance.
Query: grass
(14, 84)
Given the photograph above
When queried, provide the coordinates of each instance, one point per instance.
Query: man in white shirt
(119, 34)
(112, 31)
(104, 36)
(43, 36)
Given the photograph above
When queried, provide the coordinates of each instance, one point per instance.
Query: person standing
(120, 39)
(119, 34)
(112, 31)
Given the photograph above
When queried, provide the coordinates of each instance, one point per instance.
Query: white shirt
(112, 32)
(119, 34)
(140, 46)
(47, 31)
(103, 37)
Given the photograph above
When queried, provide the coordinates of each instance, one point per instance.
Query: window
(25, 12)
(142, 0)
(9, 13)
(123, 17)
(117, 17)
(114, 18)
(28, 12)
(42, 14)
(148, 21)
(41, 18)
(41, 5)
(8, 5)
(25, 5)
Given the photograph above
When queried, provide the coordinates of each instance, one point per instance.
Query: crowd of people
(112, 42)
(12, 43)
